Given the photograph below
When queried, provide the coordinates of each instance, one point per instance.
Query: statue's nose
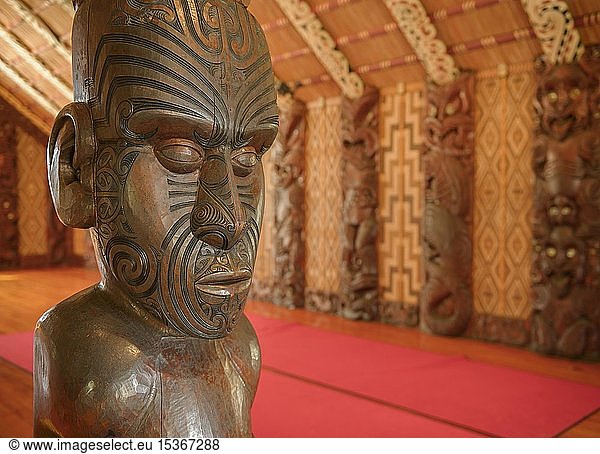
(218, 217)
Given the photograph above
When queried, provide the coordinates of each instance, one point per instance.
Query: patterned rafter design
(555, 28)
(416, 26)
(25, 14)
(308, 25)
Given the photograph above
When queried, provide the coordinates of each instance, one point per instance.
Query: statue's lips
(224, 283)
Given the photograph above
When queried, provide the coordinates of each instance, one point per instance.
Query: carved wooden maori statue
(9, 231)
(566, 228)
(446, 300)
(359, 185)
(174, 107)
(288, 171)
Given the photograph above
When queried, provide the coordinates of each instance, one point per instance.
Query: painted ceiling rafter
(7, 71)
(34, 63)
(415, 24)
(489, 41)
(555, 29)
(310, 28)
(26, 15)
(67, 6)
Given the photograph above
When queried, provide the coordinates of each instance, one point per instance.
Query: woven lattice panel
(503, 195)
(323, 197)
(33, 196)
(400, 205)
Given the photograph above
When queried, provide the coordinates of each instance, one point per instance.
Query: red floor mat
(18, 349)
(286, 407)
(492, 399)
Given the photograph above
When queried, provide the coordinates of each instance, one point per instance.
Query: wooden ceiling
(358, 41)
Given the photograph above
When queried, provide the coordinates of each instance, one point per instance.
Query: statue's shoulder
(69, 310)
(91, 356)
(93, 321)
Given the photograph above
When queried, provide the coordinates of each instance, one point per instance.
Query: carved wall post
(359, 277)
(288, 172)
(566, 226)
(9, 234)
(446, 300)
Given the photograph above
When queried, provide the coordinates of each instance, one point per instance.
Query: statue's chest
(189, 388)
(202, 390)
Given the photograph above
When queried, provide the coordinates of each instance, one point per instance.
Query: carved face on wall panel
(563, 100)
(562, 260)
(449, 121)
(183, 106)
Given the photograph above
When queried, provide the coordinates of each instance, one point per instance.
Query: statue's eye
(452, 107)
(575, 93)
(551, 252)
(565, 211)
(571, 252)
(179, 155)
(244, 161)
(553, 211)
(552, 97)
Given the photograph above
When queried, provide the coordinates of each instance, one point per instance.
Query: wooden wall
(34, 199)
(502, 206)
(323, 205)
(400, 204)
(41, 239)
(503, 202)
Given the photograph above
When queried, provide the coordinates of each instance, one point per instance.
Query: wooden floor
(26, 295)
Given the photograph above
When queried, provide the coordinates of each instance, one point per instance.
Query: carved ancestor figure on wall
(446, 300)
(566, 230)
(160, 156)
(359, 278)
(288, 182)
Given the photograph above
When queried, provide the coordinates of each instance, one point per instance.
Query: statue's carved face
(448, 121)
(184, 108)
(563, 98)
(562, 260)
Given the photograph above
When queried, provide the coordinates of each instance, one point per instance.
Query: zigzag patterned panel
(401, 206)
(262, 281)
(33, 196)
(323, 199)
(503, 195)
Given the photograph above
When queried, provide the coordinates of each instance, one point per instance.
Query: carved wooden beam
(446, 300)
(360, 143)
(308, 25)
(288, 180)
(555, 28)
(566, 225)
(413, 21)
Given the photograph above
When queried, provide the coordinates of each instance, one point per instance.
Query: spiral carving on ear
(70, 154)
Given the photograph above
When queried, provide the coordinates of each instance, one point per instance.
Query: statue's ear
(71, 150)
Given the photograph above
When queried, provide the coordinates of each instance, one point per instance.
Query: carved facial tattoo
(185, 110)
